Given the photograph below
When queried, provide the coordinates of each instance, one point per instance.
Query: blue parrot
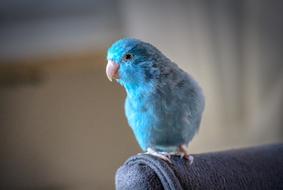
(164, 104)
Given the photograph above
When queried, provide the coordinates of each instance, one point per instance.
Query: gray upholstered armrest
(251, 168)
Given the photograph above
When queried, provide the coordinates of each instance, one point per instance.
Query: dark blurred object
(15, 74)
(251, 168)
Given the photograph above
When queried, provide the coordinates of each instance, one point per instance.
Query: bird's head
(133, 62)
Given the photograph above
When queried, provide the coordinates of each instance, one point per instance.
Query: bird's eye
(128, 56)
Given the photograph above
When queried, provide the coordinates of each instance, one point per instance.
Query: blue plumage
(164, 104)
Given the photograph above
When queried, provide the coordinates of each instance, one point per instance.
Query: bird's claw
(189, 158)
(161, 155)
(166, 156)
(184, 154)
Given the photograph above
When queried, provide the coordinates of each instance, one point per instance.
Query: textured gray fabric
(251, 168)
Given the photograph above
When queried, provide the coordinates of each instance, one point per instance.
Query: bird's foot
(163, 155)
(184, 153)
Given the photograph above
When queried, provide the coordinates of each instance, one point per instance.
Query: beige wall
(67, 130)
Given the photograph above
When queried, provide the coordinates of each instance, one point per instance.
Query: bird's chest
(143, 119)
(141, 113)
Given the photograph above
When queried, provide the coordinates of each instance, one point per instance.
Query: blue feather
(164, 104)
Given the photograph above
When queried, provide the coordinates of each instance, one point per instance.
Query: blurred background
(62, 123)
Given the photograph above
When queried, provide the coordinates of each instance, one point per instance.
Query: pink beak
(112, 69)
